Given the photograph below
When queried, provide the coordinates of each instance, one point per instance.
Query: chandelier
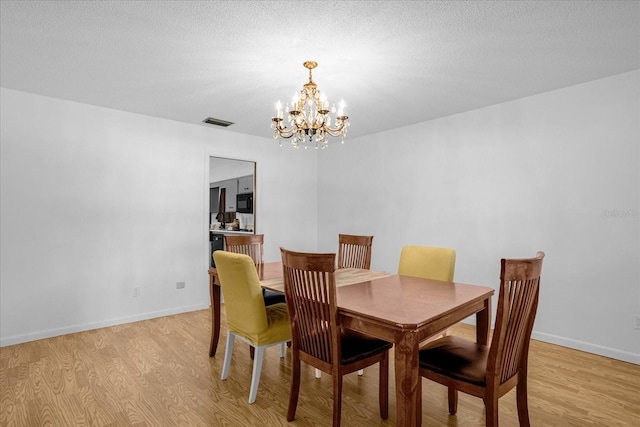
(309, 117)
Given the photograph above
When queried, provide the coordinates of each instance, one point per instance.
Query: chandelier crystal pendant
(309, 117)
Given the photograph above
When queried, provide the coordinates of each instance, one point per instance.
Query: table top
(272, 276)
(409, 301)
(390, 298)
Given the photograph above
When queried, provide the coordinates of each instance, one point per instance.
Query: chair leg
(318, 373)
(227, 355)
(281, 350)
(453, 400)
(383, 392)
(255, 376)
(491, 411)
(521, 397)
(295, 387)
(337, 398)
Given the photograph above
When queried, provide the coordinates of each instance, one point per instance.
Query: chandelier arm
(336, 134)
(338, 130)
(285, 136)
(284, 132)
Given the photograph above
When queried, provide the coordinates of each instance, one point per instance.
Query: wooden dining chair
(491, 371)
(317, 336)
(253, 246)
(248, 318)
(428, 262)
(354, 251)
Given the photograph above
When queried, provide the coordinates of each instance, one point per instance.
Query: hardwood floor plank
(158, 373)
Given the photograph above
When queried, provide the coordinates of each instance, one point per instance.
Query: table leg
(407, 377)
(483, 322)
(214, 291)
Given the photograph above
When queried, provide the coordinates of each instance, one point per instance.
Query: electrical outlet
(180, 285)
(637, 323)
(136, 292)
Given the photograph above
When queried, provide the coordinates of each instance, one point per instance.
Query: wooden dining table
(400, 309)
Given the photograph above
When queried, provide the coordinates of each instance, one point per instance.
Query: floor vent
(217, 122)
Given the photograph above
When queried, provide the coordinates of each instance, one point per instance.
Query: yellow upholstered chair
(489, 372)
(248, 318)
(253, 245)
(317, 335)
(428, 262)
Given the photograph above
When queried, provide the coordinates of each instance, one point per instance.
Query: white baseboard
(579, 345)
(49, 333)
(613, 353)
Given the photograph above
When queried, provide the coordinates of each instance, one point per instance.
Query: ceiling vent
(217, 122)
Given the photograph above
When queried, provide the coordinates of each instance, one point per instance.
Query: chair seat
(457, 358)
(278, 327)
(357, 346)
(272, 297)
(277, 315)
(278, 319)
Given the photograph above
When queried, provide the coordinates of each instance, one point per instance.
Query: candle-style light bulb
(323, 101)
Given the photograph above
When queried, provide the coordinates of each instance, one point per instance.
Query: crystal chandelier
(309, 117)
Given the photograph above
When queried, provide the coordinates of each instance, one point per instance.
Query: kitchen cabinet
(214, 199)
(232, 191)
(245, 184)
(233, 187)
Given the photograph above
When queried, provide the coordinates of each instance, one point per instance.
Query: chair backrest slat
(309, 283)
(354, 251)
(516, 311)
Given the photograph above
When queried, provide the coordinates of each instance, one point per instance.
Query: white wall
(96, 202)
(539, 173)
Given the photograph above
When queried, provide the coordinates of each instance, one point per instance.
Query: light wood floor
(158, 373)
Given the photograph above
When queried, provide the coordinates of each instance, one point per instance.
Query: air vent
(217, 122)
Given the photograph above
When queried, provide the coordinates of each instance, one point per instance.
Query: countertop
(230, 232)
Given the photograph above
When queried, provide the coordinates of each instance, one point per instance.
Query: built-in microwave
(244, 203)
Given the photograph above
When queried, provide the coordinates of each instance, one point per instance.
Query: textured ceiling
(395, 63)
